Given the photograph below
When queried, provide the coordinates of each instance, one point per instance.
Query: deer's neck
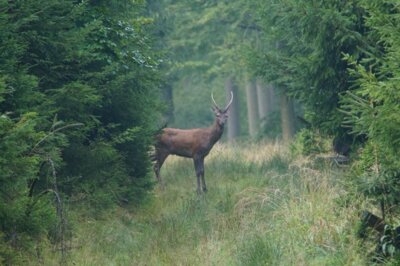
(216, 131)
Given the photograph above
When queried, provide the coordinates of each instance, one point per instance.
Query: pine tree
(373, 109)
(306, 61)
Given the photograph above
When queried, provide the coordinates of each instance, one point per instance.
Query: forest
(307, 171)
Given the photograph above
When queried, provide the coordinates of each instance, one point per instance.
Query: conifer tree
(78, 97)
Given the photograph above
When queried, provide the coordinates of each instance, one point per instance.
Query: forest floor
(262, 208)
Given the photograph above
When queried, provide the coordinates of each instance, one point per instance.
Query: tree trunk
(287, 118)
(266, 101)
(263, 100)
(233, 126)
(252, 108)
(272, 99)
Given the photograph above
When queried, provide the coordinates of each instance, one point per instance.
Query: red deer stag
(193, 143)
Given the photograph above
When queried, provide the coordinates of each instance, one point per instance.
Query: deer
(195, 143)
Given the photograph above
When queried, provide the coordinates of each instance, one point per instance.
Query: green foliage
(310, 142)
(213, 31)
(373, 109)
(306, 60)
(270, 127)
(204, 41)
(24, 215)
(103, 75)
(78, 101)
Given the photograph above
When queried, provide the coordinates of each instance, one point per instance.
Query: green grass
(262, 208)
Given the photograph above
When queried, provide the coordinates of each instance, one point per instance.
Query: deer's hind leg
(160, 156)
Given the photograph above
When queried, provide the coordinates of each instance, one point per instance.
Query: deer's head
(221, 115)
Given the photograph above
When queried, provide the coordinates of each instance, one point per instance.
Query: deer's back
(185, 142)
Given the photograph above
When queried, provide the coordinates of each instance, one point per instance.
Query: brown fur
(193, 143)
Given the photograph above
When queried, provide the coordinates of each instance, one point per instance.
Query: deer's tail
(160, 129)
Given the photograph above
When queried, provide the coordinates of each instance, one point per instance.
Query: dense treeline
(78, 83)
(343, 72)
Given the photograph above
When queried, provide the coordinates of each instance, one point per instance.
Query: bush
(24, 213)
(310, 142)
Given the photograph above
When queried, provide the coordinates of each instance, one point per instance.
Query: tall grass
(262, 208)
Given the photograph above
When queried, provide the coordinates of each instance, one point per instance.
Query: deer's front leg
(199, 167)
(203, 180)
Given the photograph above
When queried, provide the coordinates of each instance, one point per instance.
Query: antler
(230, 102)
(215, 104)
